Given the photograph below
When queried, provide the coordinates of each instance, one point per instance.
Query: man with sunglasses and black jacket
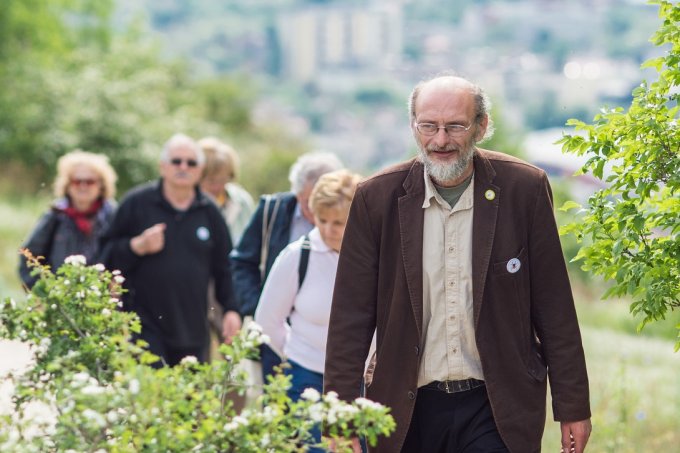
(168, 239)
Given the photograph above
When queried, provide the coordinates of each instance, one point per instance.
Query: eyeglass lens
(190, 162)
(83, 182)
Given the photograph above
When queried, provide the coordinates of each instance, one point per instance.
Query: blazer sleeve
(245, 264)
(38, 243)
(353, 311)
(554, 315)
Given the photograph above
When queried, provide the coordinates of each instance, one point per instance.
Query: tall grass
(635, 394)
(18, 216)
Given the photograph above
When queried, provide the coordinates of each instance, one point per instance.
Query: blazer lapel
(486, 201)
(411, 228)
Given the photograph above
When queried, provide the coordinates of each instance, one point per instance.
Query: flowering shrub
(90, 388)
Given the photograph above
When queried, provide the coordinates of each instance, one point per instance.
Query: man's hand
(151, 240)
(575, 436)
(231, 324)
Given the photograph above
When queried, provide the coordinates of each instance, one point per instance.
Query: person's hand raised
(150, 241)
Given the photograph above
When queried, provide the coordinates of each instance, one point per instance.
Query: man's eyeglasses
(190, 162)
(88, 182)
(453, 130)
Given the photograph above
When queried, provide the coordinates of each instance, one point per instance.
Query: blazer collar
(411, 217)
(487, 198)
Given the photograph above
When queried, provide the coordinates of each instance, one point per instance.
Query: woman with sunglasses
(84, 186)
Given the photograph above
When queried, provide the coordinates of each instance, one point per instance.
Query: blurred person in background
(236, 205)
(169, 240)
(84, 187)
(279, 219)
(299, 288)
(220, 173)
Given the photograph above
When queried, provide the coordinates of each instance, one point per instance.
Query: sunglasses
(89, 182)
(190, 162)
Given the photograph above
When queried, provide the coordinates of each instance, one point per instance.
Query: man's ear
(481, 128)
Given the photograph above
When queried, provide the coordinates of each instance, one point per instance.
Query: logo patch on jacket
(203, 233)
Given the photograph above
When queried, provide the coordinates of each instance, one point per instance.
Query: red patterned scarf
(84, 219)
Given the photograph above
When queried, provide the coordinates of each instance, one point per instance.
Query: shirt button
(411, 395)
(451, 249)
(455, 350)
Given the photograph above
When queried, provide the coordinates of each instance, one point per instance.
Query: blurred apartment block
(340, 37)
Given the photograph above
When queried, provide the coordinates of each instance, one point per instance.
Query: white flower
(189, 360)
(265, 440)
(119, 279)
(106, 312)
(368, 404)
(97, 418)
(100, 267)
(116, 272)
(311, 394)
(331, 397)
(134, 386)
(316, 413)
(80, 294)
(80, 378)
(76, 260)
(92, 390)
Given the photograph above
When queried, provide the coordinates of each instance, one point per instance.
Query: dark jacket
(245, 258)
(525, 322)
(168, 289)
(57, 237)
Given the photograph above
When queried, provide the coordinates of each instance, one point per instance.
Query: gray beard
(441, 173)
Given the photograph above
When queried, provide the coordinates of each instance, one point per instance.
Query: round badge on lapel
(513, 265)
(490, 195)
(203, 233)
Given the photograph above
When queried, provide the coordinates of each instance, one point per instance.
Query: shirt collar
(465, 201)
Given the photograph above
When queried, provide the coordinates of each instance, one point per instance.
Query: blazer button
(411, 395)
(417, 350)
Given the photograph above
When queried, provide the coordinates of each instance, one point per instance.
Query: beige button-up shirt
(449, 351)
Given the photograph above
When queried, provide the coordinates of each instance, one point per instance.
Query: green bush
(91, 389)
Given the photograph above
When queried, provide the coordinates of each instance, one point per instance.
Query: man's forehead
(182, 151)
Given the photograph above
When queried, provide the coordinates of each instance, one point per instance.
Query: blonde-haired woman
(219, 181)
(84, 187)
(306, 302)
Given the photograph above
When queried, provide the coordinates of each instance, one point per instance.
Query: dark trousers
(453, 423)
(269, 360)
(170, 355)
(302, 378)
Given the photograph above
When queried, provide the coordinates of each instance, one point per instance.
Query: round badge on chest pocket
(513, 265)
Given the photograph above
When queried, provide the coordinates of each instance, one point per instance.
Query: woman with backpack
(295, 304)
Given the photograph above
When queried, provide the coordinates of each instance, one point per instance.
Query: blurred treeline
(70, 80)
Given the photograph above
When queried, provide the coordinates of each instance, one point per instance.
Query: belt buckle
(456, 386)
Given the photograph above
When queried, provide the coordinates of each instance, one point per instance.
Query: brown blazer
(525, 322)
